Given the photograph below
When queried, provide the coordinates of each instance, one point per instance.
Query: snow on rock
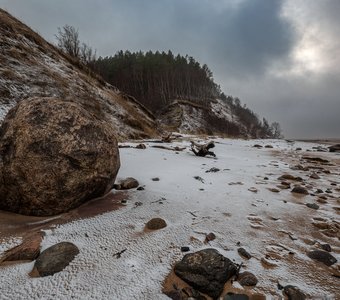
(31, 67)
(191, 209)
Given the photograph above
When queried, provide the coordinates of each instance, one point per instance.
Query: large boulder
(54, 156)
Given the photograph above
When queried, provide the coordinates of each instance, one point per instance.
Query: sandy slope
(265, 223)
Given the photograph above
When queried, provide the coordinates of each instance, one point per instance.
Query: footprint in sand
(255, 221)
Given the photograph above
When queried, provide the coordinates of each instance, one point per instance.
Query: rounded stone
(55, 258)
(155, 223)
(55, 155)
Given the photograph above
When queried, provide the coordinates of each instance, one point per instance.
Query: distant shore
(327, 141)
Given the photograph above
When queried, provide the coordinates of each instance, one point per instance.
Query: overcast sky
(280, 57)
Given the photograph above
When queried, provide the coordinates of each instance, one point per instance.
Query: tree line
(156, 79)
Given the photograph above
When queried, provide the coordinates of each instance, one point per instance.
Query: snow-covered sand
(262, 222)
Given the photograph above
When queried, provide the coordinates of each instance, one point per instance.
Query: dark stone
(313, 205)
(289, 177)
(322, 256)
(247, 279)
(141, 146)
(210, 237)
(269, 146)
(232, 296)
(185, 249)
(300, 190)
(334, 148)
(328, 191)
(155, 179)
(212, 170)
(243, 252)
(314, 176)
(326, 247)
(156, 223)
(55, 156)
(257, 146)
(293, 293)
(298, 149)
(140, 188)
(206, 270)
(199, 178)
(55, 258)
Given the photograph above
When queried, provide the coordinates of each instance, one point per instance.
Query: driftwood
(169, 148)
(203, 150)
(168, 138)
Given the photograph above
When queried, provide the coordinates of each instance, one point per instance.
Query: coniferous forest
(155, 79)
(158, 78)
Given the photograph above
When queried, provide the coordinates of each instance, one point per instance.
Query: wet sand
(15, 225)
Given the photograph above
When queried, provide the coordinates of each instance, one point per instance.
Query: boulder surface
(54, 156)
(206, 270)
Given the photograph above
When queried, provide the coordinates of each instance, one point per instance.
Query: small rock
(322, 256)
(243, 252)
(156, 223)
(300, 190)
(199, 178)
(314, 176)
(141, 146)
(55, 258)
(140, 188)
(326, 247)
(298, 149)
(313, 205)
(210, 237)
(328, 191)
(289, 177)
(265, 178)
(212, 170)
(247, 279)
(126, 184)
(293, 293)
(185, 249)
(253, 189)
(319, 191)
(155, 179)
(274, 190)
(268, 146)
(257, 146)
